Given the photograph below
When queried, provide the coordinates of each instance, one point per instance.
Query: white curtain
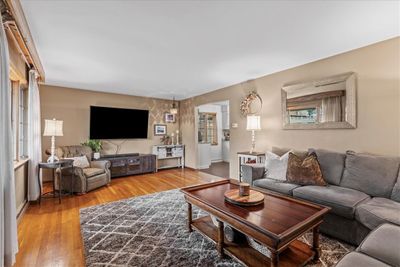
(8, 219)
(34, 136)
(331, 109)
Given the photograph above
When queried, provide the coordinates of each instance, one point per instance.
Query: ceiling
(186, 48)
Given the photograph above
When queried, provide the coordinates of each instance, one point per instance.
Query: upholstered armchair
(97, 174)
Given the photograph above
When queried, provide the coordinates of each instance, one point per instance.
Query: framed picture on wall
(160, 129)
(169, 118)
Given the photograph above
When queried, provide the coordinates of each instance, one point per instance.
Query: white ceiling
(186, 48)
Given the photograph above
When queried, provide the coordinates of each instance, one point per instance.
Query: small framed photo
(169, 117)
(160, 129)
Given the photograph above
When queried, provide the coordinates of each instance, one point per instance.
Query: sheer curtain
(34, 136)
(331, 109)
(8, 217)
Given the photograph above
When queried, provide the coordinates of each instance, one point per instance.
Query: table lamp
(53, 128)
(253, 124)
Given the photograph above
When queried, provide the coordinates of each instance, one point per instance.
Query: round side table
(54, 166)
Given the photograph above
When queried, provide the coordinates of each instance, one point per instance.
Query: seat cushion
(343, 201)
(373, 175)
(332, 164)
(276, 185)
(355, 259)
(383, 244)
(376, 211)
(90, 172)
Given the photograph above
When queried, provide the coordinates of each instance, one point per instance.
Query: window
(19, 115)
(306, 115)
(208, 131)
(14, 116)
(23, 123)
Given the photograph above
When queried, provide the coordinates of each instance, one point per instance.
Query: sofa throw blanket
(305, 171)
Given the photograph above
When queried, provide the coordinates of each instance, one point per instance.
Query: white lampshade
(53, 128)
(173, 111)
(253, 123)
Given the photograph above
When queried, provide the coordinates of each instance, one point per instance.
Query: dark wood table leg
(189, 221)
(40, 186)
(315, 245)
(54, 183)
(220, 241)
(274, 259)
(72, 180)
(59, 187)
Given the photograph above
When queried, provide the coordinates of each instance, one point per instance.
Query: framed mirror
(328, 103)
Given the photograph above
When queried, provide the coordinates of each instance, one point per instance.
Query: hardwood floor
(49, 234)
(220, 169)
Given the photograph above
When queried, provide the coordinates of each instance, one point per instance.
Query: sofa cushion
(304, 171)
(376, 211)
(396, 190)
(90, 172)
(332, 164)
(80, 162)
(276, 185)
(276, 166)
(383, 244)
(355, 259)
(343, 201)
(373, 175)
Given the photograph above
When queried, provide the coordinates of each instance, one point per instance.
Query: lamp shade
(53, 128)
(253, 123)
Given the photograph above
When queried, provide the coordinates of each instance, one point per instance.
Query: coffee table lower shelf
(297, 254)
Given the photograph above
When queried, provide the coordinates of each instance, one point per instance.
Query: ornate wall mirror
(328, 103)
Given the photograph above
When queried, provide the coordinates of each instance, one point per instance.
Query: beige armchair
(85, 179)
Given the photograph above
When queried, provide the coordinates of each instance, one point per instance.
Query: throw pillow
(276, 166)
(304, 171)
(80, 162)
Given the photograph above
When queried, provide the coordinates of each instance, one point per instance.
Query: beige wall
(72, 106)
(378, 98)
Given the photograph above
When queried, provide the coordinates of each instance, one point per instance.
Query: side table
(54, 166)
(247, 157)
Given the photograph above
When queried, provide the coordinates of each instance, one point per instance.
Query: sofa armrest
(252, 172)
(101, 164)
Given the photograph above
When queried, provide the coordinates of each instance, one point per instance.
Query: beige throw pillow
(80, 162)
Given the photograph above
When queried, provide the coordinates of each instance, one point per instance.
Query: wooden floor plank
(49, 234)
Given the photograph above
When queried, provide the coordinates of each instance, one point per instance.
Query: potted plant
(96, 146)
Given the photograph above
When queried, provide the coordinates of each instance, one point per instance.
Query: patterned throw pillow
(80, 162)
(304, 171)
(276, 166)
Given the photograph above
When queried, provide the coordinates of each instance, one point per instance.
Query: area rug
(151, 231)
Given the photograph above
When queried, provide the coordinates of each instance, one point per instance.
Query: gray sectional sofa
(363, 191)
(380, 248)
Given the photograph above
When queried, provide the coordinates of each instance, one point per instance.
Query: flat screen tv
(118, 123)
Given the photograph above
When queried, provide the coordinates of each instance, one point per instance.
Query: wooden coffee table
(277, 223)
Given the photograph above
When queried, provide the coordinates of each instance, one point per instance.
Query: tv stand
(120, 155)
(130, 164)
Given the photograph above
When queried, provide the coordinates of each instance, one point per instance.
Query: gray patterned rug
(150, 231)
